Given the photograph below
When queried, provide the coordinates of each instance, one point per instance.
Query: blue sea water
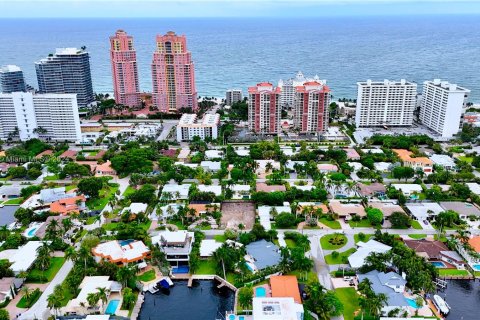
(240, 52)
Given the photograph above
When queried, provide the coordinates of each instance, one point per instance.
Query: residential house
(327, 167)
(240, 191)
(121, 252)
(375, 189)
(69, 206)
(444, 161)
(284, 287)
(217, 190)
(105, 169)
(435, 251)
(262, 254)
(387, 207)
(263, 187)
(208, 247)
(23, 257)
(357, 259)
(423, 163)
(8, 289)
(211, 166)
(352, 154)
(176, 191)
(392, 285)
(408, 189)
(176, 245)
(464, 209)
(347, 210)
(265, 213)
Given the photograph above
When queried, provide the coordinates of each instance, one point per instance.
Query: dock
(434, 309)
(137, 307)
(190, 282)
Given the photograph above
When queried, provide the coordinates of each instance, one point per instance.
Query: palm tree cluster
(369, 301)
(324, 303)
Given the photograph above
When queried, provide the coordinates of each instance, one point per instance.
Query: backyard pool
(260, 292)
(180, 269)
(412, 303)
(250, 266)
(125, 242)
(30, 232)
(112, 306)
(438, 264)
(476, 267)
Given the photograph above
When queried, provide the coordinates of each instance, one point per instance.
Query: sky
(230, 8)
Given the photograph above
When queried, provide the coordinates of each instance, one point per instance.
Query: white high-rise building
(232, 96)
(26, 116)
(288, 88)
(189, 126)
(442, 106)
(385, 103)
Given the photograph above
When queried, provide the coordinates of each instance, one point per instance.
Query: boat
(441, 305)
(165, 283)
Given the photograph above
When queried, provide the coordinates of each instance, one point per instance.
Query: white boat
(441, 305)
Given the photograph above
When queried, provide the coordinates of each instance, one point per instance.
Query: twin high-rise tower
(173, 76)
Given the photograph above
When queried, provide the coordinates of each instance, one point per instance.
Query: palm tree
(377, 302)
(4, 232)
(125, 274)
(83, 254)
(67, 224)
(71, 254)
(92, 299)
(27, 292)
(103, 295)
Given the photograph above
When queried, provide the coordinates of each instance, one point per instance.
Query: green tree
(375, 216)
(4, 314)
(17, 172)
(91, 186)
(245, 297)
(325, 304)
(399, 220)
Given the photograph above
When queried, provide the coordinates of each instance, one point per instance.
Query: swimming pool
(476, 267)
(438, 264)
(412, 303)
(180, 269)
(250, 266)
(125, 242)
(260, 292)
(112, 306)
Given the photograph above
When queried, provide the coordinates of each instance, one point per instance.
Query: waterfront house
(176, 245)
(435, 251)
(285, 287)
(208, 247)
(262, 254)
(121, 252)
(276, 308)
(392, 285)
(80, 305)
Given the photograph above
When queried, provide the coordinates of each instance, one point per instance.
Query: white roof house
(211, 165)
(136, 208)
(190, 165)
(408, 188)
(304, 188)
(423, 210)
(243, 151)
(23, 257)
(117, 251)
(208, 247)
(357, 259)
(213, 154)
(217, 190)
(444, 161)
(269, 308)
(176, 245)
(177, 191)
(262, 165)
(290, 164)
(372, 150)
(474, 187)
(382, 166)
(91, 285)
(265, 216)
(240, 191)
(164, 211)
(54, 194)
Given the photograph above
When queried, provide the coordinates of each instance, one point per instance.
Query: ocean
(239, 52)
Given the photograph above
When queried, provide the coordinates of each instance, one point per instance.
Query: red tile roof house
(45, 153)
(105, 169)
(69, 205)
(263, 187)
(69, 154)
(436, 251)
(96, 157)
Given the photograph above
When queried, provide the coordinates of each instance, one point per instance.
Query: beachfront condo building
(385, 103)
(264, 108)
(25, 116)
(11, 79)
(311, 105)
(66, 71)
(190, 126)
(173, 74)
(442, 107)
(232, 96)
(123, 57)
(288, 88)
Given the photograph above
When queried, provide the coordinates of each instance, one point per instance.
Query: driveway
(40, 310)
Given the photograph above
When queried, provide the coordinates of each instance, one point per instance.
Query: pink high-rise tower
(124, 70)
(173, 74)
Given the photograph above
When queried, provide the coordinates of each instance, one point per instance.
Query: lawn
(110, 226)
(51, 178)
(24, 303)
(332, 224)
(367, 237)
(36, 275)
(311, 276)
(100, 202)
(70, 187)
(417, 236)
(290, 243)
(452, 272)
(349, 298)
(206, 267)
(466, 159)
(341, 257)
(177, 223)
(14, 201)
(128, 191)
(147, 276)
(67, 295)
(333, 241)
(220, 238)
(416, 225)
(364, 223)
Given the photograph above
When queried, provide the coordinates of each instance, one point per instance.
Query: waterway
(201, 302)
(463, 296)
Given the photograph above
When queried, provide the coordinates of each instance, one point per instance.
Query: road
(37, 311)
(167, 127)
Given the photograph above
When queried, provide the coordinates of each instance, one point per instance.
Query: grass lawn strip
(349, 298)
(35, 275)
(326, 244)
(341, 256)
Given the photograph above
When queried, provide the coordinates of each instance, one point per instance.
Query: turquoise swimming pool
(112, 306)
(260, 292)
(412, 303)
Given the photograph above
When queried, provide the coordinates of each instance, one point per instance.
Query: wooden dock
(434, 309)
